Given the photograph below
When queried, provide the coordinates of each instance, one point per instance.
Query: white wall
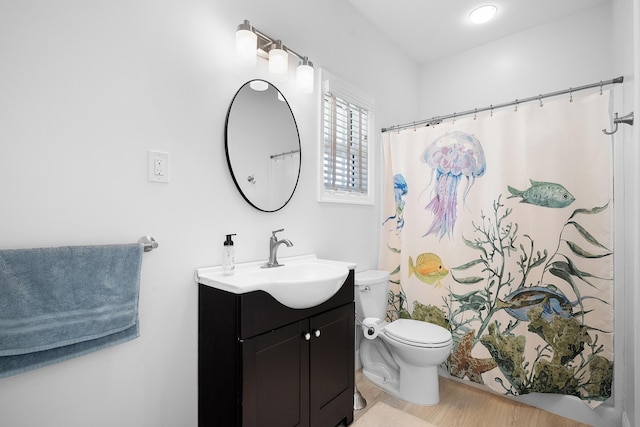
(627, 40)
(594, 45)
(558, 55)
(86, 88)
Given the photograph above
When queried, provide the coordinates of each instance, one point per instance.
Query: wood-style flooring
(463, 405)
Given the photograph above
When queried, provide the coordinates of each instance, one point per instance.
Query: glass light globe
(304, 76)
(279, 62)
(246, 45)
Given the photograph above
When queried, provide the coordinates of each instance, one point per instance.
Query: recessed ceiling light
(482, 14)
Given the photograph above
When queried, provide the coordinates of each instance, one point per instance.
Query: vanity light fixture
(275, 52)
(482, 14)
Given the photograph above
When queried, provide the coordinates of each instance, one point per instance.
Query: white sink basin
(302, 282)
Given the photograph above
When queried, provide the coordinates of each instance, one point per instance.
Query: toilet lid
(418, 333)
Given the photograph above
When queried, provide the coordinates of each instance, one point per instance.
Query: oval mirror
(262, 146)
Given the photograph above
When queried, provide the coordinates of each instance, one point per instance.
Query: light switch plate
(159, 166)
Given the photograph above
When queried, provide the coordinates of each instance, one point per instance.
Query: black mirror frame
(226, 148)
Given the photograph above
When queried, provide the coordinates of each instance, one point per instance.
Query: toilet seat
(418, 333)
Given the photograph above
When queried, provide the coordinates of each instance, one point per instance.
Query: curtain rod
(438, 119)
(273, 156)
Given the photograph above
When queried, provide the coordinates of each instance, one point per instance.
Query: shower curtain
(499, 227)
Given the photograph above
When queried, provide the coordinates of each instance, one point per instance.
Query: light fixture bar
(265, 42)
(276, 53)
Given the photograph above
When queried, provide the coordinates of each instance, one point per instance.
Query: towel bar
(148, 242)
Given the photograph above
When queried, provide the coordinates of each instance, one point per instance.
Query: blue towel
(59, 303)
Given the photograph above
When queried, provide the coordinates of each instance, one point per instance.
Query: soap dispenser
(228, 256)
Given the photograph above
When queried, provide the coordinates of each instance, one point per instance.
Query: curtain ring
(475, 113)
(570, 94)
(491, 108)
(600, 87)
(516, 109)
(540, 99)
(454, 119)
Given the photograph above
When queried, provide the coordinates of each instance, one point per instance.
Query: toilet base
(412, 384)
(420, 385)
(420, 388)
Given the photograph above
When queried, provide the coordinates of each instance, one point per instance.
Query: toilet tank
(372, 289)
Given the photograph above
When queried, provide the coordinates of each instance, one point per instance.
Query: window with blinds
(346, 146)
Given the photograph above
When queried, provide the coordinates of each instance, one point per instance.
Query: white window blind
(346, 145)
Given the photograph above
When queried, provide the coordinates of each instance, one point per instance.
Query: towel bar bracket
(148, 242)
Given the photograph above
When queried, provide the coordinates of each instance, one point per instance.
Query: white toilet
(401, 357)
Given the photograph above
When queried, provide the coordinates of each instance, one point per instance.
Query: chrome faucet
(274, 243)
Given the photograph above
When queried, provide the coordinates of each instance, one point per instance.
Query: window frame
(346, 92)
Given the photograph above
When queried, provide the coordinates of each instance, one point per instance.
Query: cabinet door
(332, 367)
(276, 378)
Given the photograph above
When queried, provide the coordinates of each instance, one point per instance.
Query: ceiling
(429, 30)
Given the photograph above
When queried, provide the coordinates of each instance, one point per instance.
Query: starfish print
(462, 364)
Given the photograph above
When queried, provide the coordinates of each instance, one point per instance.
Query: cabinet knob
(307, 336)
(317, 333)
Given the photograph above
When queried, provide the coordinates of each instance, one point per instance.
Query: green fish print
(428, 269)
(547, 194)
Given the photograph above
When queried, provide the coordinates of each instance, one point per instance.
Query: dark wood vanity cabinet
(263, 364)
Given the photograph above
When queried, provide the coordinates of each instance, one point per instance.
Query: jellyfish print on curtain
(499, 227)
(452, 156)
